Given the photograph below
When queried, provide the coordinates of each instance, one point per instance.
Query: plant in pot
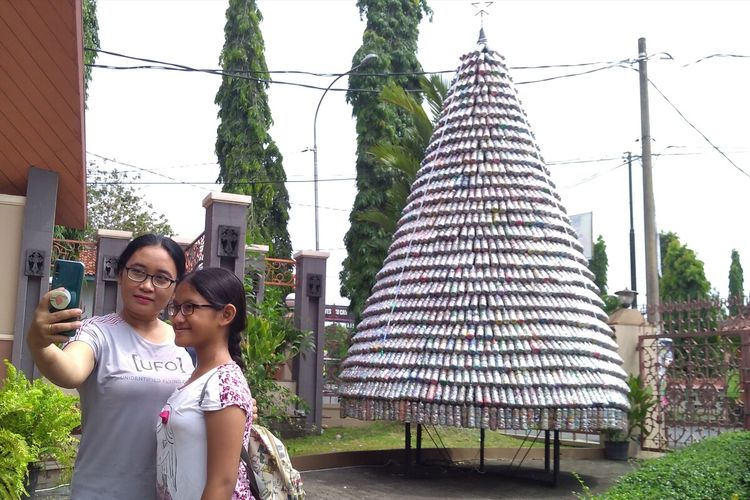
(641, 399)
(36, 421)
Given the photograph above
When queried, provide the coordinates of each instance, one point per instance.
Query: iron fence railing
(697, 366)
(331, 371)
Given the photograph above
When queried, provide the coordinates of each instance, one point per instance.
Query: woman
(124, 365)
(205, 423)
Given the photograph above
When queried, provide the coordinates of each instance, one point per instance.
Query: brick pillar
(109, 246)
(309, 314)
(226, 228)
(34, 265)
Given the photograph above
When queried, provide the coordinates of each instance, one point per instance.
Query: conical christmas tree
(484, 313)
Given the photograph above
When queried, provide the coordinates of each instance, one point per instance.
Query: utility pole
(649, 207)
(633, 287)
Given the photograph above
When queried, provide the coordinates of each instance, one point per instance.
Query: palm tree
(403, 158)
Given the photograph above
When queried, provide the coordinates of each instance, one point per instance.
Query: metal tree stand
(551, 447)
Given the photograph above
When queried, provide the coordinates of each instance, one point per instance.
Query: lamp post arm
(367, 58)
(315, 161)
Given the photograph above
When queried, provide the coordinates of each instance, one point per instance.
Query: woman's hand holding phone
(48, 328)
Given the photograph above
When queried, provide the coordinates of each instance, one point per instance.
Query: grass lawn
(390, 435)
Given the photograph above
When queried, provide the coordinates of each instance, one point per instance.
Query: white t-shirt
(131, 380)
(181, 456)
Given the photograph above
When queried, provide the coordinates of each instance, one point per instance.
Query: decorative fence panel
(83, 251)
(697, 369)
(194, 253)
(280, 272)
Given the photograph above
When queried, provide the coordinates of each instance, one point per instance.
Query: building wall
(11, 215)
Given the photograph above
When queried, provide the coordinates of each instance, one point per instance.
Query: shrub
(270, 341)
(36, 420)
(717, 467)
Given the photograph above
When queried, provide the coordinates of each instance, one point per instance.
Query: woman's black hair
(221, 287)
(154, 240)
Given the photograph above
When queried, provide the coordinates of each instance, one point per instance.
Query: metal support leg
(481, 449)
(407, 447)
(546, 451)
(419, 444)
(556, 459)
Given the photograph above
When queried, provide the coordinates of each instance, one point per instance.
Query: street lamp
(365, 60)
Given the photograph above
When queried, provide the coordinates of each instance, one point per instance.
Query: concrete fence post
(35, 261)
(309, 314)
(109, 246)
(226, 229)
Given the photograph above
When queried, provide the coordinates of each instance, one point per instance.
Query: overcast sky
(166, 121)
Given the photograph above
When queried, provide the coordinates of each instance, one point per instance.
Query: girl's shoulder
(231, 374)
(228, 387)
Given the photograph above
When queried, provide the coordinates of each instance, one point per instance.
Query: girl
(205, 423)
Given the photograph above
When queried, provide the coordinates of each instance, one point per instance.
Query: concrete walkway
(433, 482)
(438, 482)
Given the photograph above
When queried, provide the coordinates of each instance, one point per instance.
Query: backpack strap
(244, 456)
(205, 388)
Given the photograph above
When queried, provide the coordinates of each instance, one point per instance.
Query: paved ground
(389, 482)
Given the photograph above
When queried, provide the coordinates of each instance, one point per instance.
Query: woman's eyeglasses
(158, 280)
(186, 309)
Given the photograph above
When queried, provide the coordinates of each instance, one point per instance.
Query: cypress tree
(599, 265)
(736, 284)
(249, 160)
(391, 33)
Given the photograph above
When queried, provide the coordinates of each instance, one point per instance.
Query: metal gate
(696, 366)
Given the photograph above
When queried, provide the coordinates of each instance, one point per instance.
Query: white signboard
(583, 226)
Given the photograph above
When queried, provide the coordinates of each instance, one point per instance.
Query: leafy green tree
(664, 240)
(599, 264)
(683, 276)
(90, 41)
(736, 284)
(391, 33)
(250, 163)
(115, 204)
(404, 155)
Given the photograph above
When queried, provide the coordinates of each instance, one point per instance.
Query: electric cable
(713, 56)
(175, 181)
(697, 130)
(167, 66)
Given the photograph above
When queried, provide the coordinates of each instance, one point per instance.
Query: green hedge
(715, 468)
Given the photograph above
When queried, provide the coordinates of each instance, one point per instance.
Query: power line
(233, 183)
(176, 181)
(320, 206)
(712, 56)
(696, 129)
(577, 161)
(592, 177)
(167, 66)
(569, 75)
(329, 75)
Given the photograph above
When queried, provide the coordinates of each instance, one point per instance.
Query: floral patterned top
(181, 433)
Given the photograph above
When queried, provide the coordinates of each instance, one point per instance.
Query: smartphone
(67, 274)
